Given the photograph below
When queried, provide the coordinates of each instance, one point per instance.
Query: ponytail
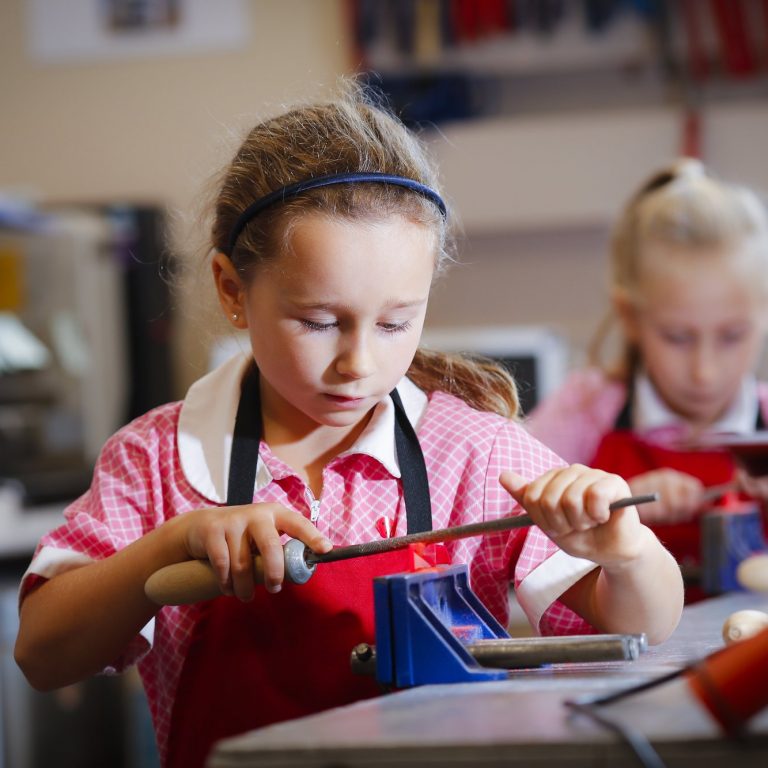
(480, 382)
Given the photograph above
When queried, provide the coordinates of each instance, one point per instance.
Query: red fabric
(734, 39)
(627, 455)
(465, 19)
(698, 66)
(492, 16)
(244, 671)
(359, 57)
(763, 36)
(476, 19)
(691, 139)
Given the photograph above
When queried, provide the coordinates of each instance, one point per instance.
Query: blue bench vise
(729, 534)
(423, 620)
(432, 628)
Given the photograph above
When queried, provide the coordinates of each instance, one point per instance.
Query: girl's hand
(681, 496)
(230, 536)
(756, 487)
(570, 505)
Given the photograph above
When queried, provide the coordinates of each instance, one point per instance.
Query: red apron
(625, 454)
(276, 658)
(286, 655)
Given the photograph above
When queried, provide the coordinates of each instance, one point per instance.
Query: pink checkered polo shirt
(574, 419)
(175, 459)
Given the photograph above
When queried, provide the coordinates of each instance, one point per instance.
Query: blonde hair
(344, 135)
(681, 204)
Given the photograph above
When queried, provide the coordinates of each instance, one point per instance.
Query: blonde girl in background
(328, 230)
(689, 287)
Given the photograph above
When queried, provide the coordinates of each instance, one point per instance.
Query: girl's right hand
(228, 537)
(680, 496)
(753, 485)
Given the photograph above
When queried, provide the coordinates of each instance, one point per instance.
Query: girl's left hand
(570, 505)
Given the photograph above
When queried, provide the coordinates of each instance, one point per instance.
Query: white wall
(577, 168)
(536, 196)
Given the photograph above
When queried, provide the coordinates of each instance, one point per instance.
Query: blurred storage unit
(86, 346)
(90, 290)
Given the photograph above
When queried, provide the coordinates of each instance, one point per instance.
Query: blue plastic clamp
(423, 621)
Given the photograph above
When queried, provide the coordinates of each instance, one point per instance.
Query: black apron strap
(760, 421)
(244, 457)
(624, 419)
(413, 471)
(246, 439)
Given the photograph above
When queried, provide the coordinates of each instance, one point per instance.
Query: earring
(235, 317)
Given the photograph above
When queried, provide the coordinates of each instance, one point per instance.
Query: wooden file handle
(195, 580)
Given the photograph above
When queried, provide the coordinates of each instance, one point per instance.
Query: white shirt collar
(207, 420)
(649, 411)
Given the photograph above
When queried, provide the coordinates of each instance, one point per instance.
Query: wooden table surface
(521, 721)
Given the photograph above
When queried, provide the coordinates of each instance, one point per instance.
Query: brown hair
(681, 204)
(347, 134)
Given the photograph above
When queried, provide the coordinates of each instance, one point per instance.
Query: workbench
(521, 721)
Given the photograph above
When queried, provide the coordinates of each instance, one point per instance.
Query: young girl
(689, 284)
(328, 231)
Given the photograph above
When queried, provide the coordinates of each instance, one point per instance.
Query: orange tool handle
(733, 683)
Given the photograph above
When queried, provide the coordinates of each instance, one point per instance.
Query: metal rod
(446, 534)
(528, 652)
(514, 653)
(714, 492)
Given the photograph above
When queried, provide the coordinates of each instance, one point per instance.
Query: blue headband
(292, 190)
